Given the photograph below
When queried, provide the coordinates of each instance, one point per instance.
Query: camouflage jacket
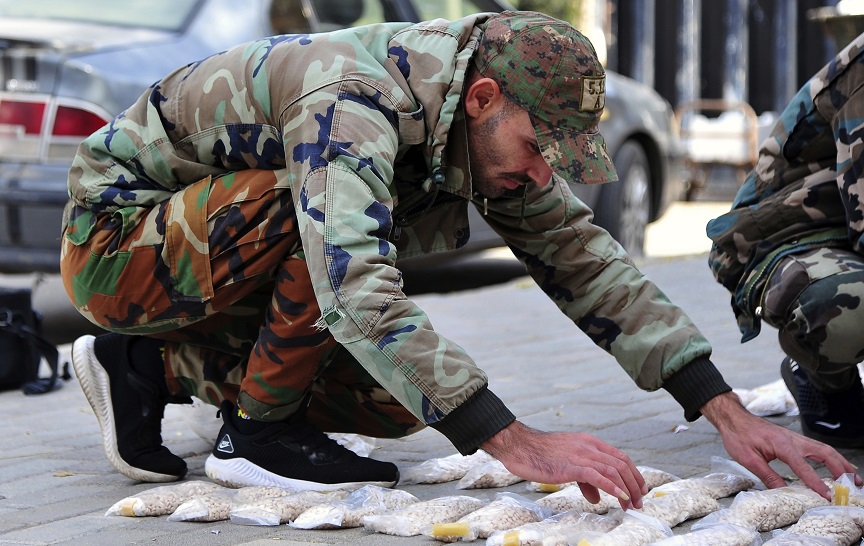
(368, 127)
(804, 191)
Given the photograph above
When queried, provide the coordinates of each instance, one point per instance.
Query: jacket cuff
(693, 385)
(475, 421)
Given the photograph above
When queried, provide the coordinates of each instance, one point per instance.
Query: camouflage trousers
(254, 342)
(815, 299)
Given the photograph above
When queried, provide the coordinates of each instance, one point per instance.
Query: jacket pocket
(412, 127)
(187, 250)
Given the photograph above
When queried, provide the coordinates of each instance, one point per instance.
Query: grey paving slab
(55, 483)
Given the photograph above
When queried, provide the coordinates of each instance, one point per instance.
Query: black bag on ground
(22, 346)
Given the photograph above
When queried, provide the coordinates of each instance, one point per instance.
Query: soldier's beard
(484, 156)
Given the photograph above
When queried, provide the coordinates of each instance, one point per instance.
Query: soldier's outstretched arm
(561, 457)
(755, 442)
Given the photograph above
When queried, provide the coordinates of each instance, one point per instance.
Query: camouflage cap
(551, 70)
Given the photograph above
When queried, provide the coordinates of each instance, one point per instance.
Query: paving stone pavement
(55, 483)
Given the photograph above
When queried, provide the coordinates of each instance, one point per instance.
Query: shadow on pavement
(462, 274)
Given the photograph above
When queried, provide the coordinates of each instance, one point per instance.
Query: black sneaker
(833, 419)
(129, 410)
(291, 455)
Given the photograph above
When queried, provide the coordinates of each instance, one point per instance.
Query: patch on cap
(593, 94)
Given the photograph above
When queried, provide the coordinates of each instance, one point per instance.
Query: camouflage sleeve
(345, 200)
(848, 127)
(593, 281)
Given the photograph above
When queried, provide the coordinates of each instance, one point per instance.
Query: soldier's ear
(483, 96)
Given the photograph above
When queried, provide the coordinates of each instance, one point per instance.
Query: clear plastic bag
(217, 506)
(278, 510)
(845, 492)
(506, 511)
(443, 469)
(162, 500)
(767, 510)
(655, 477)
(571, 498)
(725, 479)
(412, 520)
(841, 525)
(789, 539)
(488, 475)
(674, 508)
(213, 506)
(717, 485)
(770, 399)
(359, 444)
(350, 511)
(553, 530)
(635, 530)
(718, 534)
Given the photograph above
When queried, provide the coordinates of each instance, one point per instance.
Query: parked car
(66, 68)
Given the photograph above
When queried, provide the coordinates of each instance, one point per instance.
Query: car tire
(624, 207)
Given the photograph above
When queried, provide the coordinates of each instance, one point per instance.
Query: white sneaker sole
(239, 472)
(94, 382)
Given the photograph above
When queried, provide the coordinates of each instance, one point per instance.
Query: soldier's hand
(561, 457)
(755, 442)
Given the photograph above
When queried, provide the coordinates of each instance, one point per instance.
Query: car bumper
(32, 198)
(673, 189)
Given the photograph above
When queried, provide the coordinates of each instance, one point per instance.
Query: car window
(156, 14)
(448, 9)
(289, 17)
(333, 14)
(293, 16)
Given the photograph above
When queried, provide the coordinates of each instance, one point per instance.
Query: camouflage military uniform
(791, 250)
(200, 213)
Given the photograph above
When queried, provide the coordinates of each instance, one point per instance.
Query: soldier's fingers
(595, 478)
(804, 471)
(833, 461)
(620, 463)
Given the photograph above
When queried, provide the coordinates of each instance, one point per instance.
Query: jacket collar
(446, 140)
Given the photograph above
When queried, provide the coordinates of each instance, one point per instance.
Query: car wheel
(625, 206)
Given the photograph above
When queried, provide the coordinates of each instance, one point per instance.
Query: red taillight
(27, 115)
(76, 122)
(39, 127)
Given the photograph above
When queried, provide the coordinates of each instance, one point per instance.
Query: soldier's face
(503, 152)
